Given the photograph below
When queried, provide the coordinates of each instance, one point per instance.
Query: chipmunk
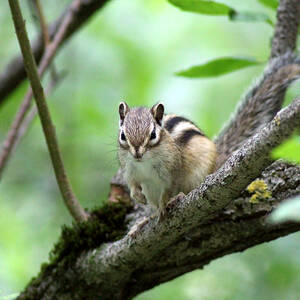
(161, 155)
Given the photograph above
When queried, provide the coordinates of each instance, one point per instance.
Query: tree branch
(114, 266)
(46, 60)
(14, 72)
(42, 22)
(260, 105)
(33, 112)
(286, 29)
(265, 98)
(49, 131)
(238, 227)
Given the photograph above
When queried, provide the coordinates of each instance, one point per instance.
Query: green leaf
(218, 67)
(287, 211)
(290, 150)
(203, 7)
(269, 3)
(249, 17)
(219, 9)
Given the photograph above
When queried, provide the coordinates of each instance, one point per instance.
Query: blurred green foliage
(289, 150)
(130, 51)
(288, 210)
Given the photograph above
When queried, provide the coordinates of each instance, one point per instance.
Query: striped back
(181, 129)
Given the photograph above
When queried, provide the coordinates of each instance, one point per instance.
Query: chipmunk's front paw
(175, 200)
(137, 195)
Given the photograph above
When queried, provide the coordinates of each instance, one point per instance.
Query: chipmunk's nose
(137, 154)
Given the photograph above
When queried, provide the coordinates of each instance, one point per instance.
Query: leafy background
(131, 51)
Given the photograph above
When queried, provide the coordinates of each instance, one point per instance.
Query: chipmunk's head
(140, 128)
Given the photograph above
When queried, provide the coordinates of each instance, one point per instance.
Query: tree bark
(237, 227)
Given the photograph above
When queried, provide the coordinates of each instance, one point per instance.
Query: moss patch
(259, 191)
(106, 224)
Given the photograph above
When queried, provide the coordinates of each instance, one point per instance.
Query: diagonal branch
(49, 131)
(240, 226)
(113, 271)
(14, 72)
(286, 29)
(42, 24)
(197, 207)
(33, 111)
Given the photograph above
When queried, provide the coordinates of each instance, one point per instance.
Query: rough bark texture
(100, 274)
(286, 29)
(14, 72)
(113, 270)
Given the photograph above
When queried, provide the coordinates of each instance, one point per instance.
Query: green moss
(259, 191)
(106, 224)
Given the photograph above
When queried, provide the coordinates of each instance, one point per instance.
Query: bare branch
(286, 29)
(9, 143)
(14, 72)
(20, 126)
(45, 34)
(50, 52)
(33, 111)
(240, 226)
(42, 22)
(49, 131)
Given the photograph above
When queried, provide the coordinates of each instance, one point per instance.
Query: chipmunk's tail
(260, 105)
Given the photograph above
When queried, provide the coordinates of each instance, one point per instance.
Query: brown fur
(169, 165)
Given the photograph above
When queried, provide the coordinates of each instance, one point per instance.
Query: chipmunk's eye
(123, 137)
(153, 135)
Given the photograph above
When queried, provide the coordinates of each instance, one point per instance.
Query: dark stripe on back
(187, 135)
(172, 122)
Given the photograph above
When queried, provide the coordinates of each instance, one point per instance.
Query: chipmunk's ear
(157, 111)
(123, 110)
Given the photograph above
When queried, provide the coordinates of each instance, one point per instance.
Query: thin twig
(55, 79)
(14, 73)
(33, 111)
(42, 22)
(49, 131)
(45, 33)
(9, 142)
(286, 29)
